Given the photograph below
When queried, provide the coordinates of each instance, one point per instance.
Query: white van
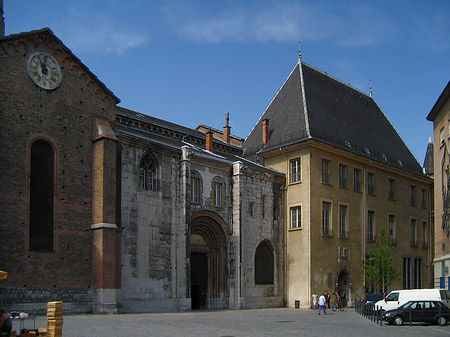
(397, 298)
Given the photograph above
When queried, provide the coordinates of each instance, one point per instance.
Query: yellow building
(440, 116)
(348, 174)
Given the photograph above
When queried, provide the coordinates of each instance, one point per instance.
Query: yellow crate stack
(54, 319)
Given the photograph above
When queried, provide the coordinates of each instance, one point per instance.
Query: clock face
(44, 70)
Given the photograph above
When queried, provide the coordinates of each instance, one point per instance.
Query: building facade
(440, 116)
(348, 174)
(111, 211)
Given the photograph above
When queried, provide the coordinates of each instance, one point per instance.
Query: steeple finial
(371, 91)
(299, 52)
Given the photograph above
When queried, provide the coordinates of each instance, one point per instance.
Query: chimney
(226, 128)
(265, 130)
(209, 140)
(2, 20)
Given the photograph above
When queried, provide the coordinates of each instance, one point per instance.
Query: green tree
(379, 268)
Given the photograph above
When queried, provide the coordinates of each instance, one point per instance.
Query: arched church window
(264, 263)
(41, 196)
(148, 174)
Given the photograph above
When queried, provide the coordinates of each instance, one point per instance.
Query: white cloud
(285, 22)
(87, 32)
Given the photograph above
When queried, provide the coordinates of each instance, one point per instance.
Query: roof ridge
(303, 93)
(337, 79)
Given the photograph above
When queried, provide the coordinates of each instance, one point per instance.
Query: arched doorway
(208, 265)
(344, 285)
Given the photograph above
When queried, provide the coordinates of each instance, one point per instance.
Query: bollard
(381, 313)
(377, 313)
(410, 320)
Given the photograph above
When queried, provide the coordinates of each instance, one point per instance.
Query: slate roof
(177, 137)
(313, 105)
(443, 98)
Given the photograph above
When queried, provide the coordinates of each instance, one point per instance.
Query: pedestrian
(314, 298)
(323, 303)
(5, 322)
(327, 298)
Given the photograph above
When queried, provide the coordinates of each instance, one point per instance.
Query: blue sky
(189, 62)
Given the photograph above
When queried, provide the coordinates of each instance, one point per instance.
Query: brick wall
(65, 118)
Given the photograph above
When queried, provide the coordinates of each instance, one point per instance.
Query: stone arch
(344, 284)
(264, 265)
(209, 268)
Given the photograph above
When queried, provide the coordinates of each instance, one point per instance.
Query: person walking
(327, 298)
(323, 304)
(314, 299)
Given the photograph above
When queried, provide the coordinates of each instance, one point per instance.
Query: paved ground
(234, 323)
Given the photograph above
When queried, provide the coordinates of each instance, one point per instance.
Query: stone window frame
(326, 171)
(251, 209)
(218, 192)
(392, 228)
(357, 179)
(391, 189)
(371, 183)
(412, 195)
(196, 193)
(343, 181)
(295, 222)
(371, 225)
(424, 234)
(263, 206)
(344, 225)
(413, 231)
(327, 222)
(295, 170)
(424, 198)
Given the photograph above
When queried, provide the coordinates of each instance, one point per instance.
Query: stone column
(105, 234)
(235, 262)
(183, 234)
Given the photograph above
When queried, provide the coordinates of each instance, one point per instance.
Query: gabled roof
(444, 97)
(49, 34)
(313, 105)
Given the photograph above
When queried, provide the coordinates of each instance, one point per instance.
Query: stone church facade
(114, 211)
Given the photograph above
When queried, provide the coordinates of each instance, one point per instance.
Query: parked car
(420, 311)
(397, 298)
(371, 299)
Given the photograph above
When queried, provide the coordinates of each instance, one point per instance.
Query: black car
(371, 299)
(420, 311)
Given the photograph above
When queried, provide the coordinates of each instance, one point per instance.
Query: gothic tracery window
(148, 178)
